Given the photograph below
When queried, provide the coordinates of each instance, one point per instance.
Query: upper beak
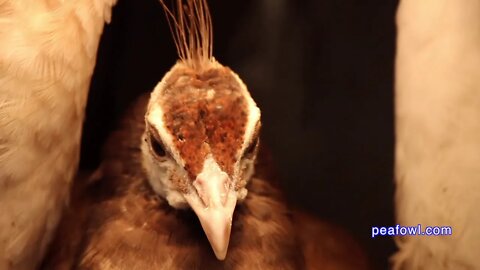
(214, 203)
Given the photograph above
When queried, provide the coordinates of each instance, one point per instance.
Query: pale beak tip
(221, 255)
(217, 224)
(219, 240)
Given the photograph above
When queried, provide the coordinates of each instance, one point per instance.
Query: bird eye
(156, 146)
(251, 148)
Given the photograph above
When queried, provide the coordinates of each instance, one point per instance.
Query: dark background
(320, 70)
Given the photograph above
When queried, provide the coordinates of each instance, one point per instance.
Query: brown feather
(202, 125)
(326, 246)
(128, 226)
(118, 222)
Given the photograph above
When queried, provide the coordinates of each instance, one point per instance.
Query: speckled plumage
(207, 114)
(47, 54)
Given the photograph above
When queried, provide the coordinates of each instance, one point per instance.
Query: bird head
(201, 129)
(200, 144)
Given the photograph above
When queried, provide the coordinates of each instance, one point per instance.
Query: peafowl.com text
(399, 230)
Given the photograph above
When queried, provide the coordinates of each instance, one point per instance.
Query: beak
(214, 203)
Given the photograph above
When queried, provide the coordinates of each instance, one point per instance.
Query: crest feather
(191, 26)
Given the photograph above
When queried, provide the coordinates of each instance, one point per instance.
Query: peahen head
(202, 128)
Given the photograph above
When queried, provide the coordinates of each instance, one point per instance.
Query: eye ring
(251, 148)
(156, 146)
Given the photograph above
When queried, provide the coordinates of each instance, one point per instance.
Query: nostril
(212, 191)
(224, 190)
(199, 185)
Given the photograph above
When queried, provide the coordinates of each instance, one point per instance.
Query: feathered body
(47, 54)
(438, 132)
(119, 222)
(128, 226)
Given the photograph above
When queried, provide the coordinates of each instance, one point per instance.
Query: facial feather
(199, 144)
(196, 115)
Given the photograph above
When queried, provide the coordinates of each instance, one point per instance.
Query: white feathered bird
(438, 132)
(47, 54)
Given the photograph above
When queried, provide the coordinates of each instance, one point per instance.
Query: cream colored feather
(47, 54)
(438, 132)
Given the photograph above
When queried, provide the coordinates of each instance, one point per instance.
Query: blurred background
(320, 70)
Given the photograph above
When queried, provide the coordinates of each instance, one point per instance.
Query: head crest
(191, 25)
